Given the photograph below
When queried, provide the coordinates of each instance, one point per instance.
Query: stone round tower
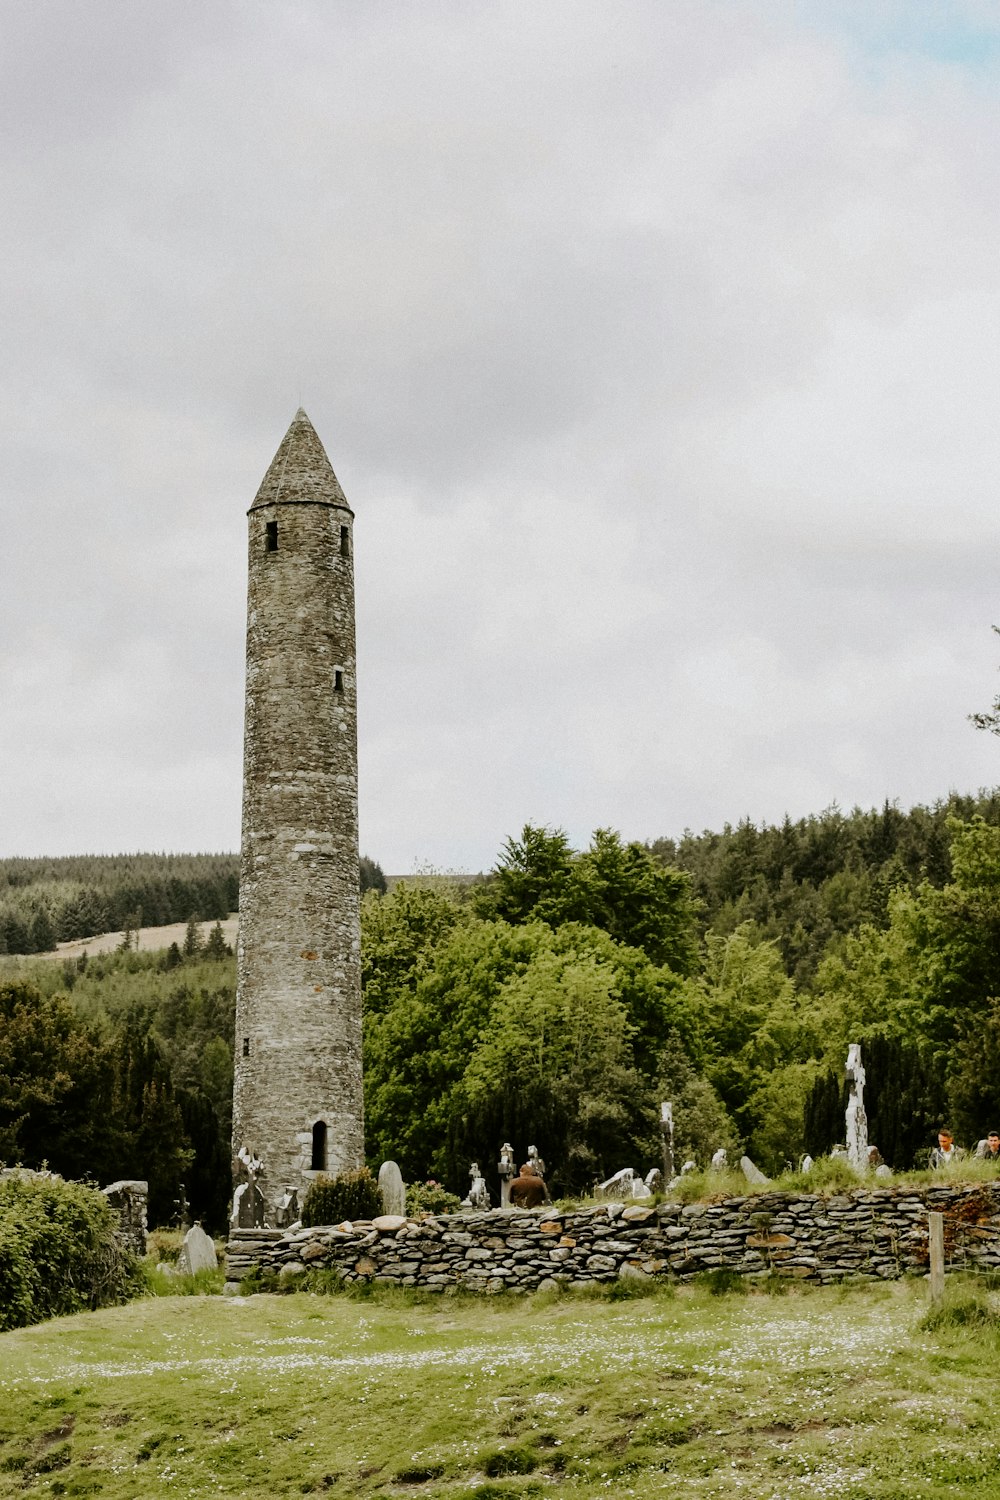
(297, 1100)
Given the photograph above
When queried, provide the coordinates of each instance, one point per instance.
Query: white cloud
(655, 347)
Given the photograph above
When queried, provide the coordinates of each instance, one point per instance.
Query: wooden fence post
(936, 1240)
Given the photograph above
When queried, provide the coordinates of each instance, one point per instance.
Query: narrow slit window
(272, 536)
(345, 541)
(338, 681)
(246, 1046)
(319, 1147)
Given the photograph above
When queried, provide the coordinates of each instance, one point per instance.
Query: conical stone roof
(300, 472)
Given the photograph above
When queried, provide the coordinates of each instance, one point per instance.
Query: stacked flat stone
(877, 1233)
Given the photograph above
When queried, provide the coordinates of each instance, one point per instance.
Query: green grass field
(814, 1393)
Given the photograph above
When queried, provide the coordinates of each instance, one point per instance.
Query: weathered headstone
(507, 1171)
(197, 1252)
(248, 1207)
(720, 1160)
(287, 1211)
(639, 1189)
(618, 1186)
(654, 1180)
(753, 1174)
(392, 1188)
(667, 1138)
(129, 1198)
(857, 1120)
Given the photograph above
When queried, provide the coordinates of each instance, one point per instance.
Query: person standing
(945, 1153)
(989, 1148)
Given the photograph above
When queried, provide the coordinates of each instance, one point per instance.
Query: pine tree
(217, 947)
(192, 937)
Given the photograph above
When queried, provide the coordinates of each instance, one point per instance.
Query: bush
(352, 1195)
(430, 1198)
(58, 1251)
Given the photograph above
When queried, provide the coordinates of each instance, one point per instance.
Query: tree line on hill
(559, 999)
(48, 901)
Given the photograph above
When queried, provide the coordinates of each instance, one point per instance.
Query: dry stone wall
(874, 1233)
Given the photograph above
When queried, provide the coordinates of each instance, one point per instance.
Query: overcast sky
(656, 346)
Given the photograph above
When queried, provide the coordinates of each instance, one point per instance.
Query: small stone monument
(618, 1186)
(667, 1138)
(654, 1180)
(393, 1188)
(751, 1173)
(249, 1209)
(507, 1170)
(287, 1212)
(857, 1120)
(720, 1160)
(479, 1196)
(535, 1163)
(129, 1199)
(197, 1252)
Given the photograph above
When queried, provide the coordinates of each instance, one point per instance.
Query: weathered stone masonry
(297, 1100)
(878, 1233)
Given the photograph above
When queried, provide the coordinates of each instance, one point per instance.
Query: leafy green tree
(429, 1017)
(755, 1033)
(702, 1124)
(56, 1080)
(556, 1065)
(620, 888)
(399, 933)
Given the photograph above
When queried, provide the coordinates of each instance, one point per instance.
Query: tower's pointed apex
(300, 472)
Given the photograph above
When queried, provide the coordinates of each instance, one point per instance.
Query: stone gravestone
(857, 1120)
(392, 1187)
(129, 1198)
(751, 1173)
(248, 1207)
(507, 1171)
(197, 1252)
(618, 1186)
(287, 1212)
(479, 1196)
